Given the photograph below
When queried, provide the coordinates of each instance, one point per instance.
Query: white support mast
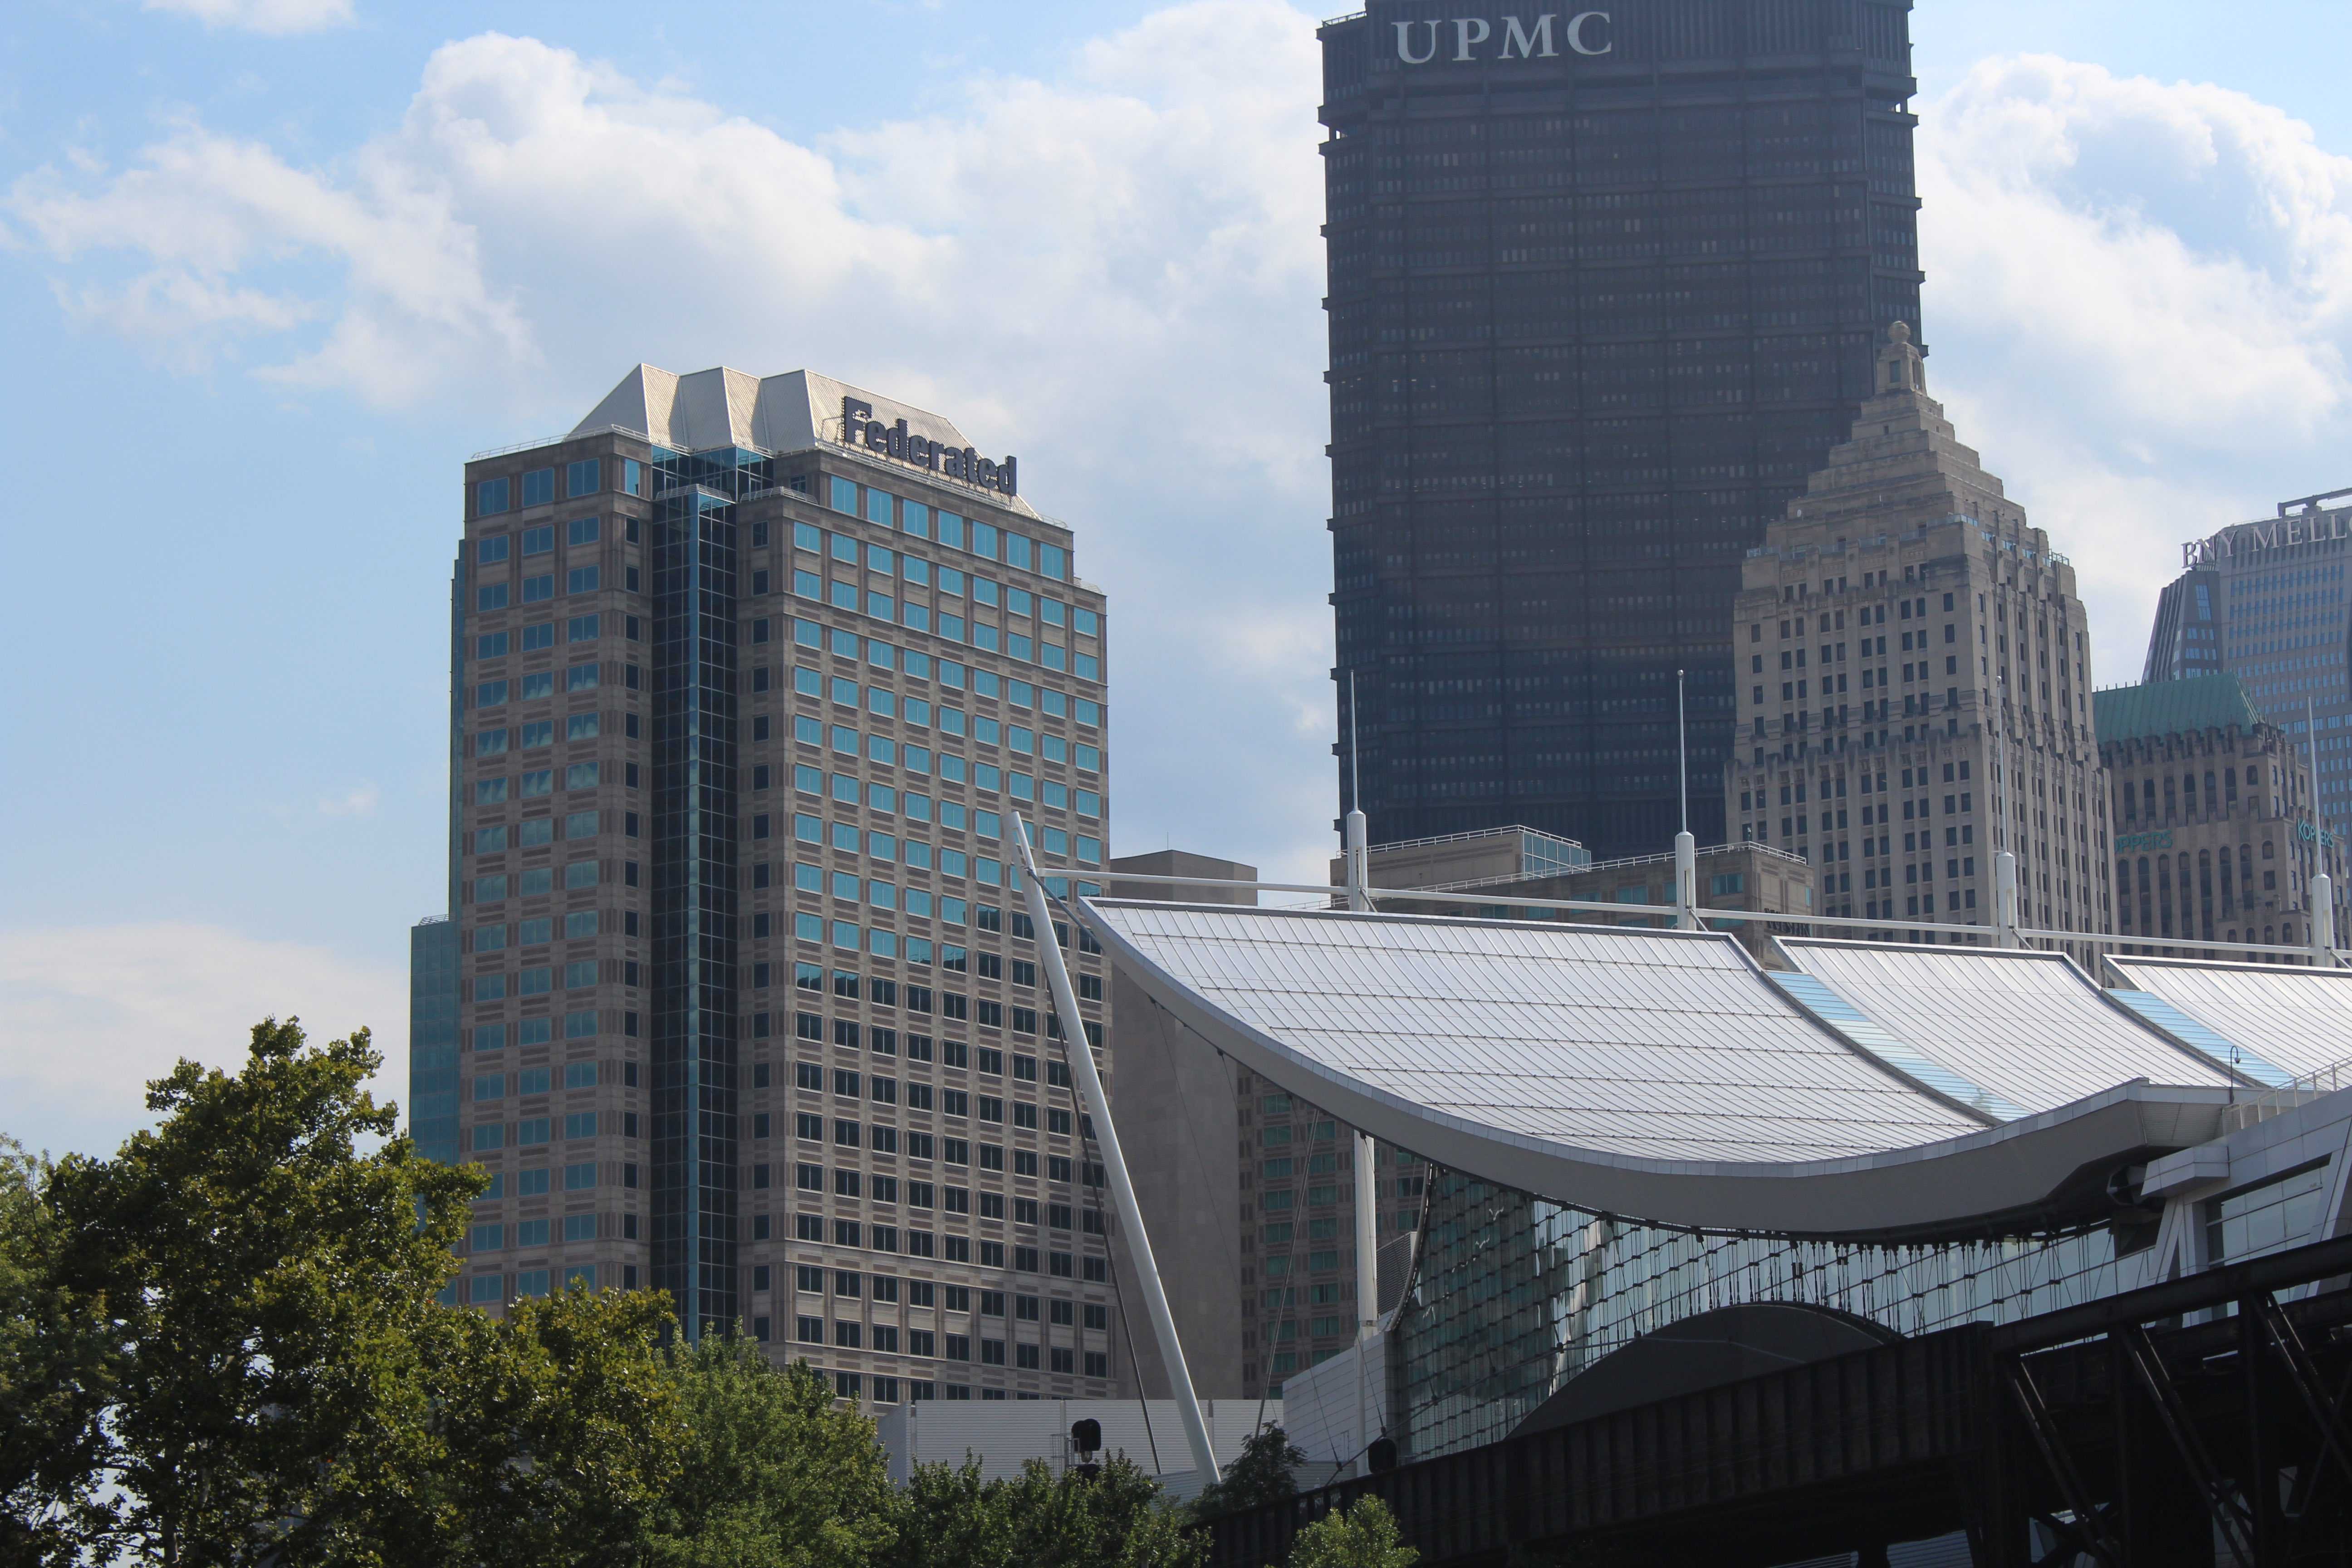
(1091, 1101)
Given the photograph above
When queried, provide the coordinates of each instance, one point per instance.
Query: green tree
(1364, 1536)
(54, 1375)
(266, 1291)
(773, 1474)
(950, 1517)
(556, 1434)
(1260, 1475)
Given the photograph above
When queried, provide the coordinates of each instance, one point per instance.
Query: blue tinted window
(580, 629)
(809, 537)
(491, 549)
(915, 518)
(1083, 622)
(489, 694)
(581, 478)
(489, 498)
(844, 496)
(1016, 601)
(490, 645)
(808, 634)
(633, 475)
(490, 596)
(581, 580)
(539, 540)
(535, 589)
(984, 591)
(877, 559)
(1054, 561)
(881, 606)
(582, 530)
(1016, 551)
(983, 540)
(538, 486)
(877, 507)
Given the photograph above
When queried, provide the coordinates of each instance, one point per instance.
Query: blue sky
(273, 268)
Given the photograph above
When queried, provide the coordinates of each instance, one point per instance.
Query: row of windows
(847, 790)
(536, 734)
(537, 1080)
(530, 832)
(529, 688)
(921, 573)
(493, 548)
(884, 703)
(584, 477)
(535, 1131)
(1019, 739)
(542, 634)
(879, 1187)
(535, 590)
(917, 521)
(880, 655)
(539, 880)
(952, 628)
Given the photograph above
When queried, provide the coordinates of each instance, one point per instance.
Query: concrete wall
(1174, 1106)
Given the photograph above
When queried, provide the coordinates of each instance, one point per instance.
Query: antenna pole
(2320, 918)
(1682, 747)
(1355, 752)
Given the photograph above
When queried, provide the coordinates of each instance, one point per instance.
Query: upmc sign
(1464, 37)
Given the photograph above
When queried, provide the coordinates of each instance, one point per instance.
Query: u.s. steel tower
(735, 998)
(1605, 287)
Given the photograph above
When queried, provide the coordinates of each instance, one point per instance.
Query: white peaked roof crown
(788, 413)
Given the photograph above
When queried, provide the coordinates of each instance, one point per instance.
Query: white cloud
(2141, 294)
(358, 801)
(263, 16)
(89, 1014)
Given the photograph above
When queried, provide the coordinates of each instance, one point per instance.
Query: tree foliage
(1260, 1474)
(773, 1474)
(264, 1288)
(1364, 1536)
(950, 1518)
(54, 1375)
(222, 1346)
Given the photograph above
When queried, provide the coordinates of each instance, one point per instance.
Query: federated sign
(2127, 842)
(895, 441)
(1461, 39)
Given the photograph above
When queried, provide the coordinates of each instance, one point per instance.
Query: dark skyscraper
(1605, 286)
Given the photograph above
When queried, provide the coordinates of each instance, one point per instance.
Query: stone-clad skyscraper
(1904, 640)
(736, 999)
(1603, 289)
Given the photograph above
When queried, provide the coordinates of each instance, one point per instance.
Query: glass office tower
(2267, 601)
(736, 998)
(1605, 287)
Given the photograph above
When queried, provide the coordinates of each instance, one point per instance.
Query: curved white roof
(2028, 1026)
(1653, 1074)
(2290, 1019)
(1639, 1042)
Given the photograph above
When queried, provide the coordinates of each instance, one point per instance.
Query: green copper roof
(2171, 707)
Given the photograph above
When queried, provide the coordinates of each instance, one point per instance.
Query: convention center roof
(1882, 1089)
